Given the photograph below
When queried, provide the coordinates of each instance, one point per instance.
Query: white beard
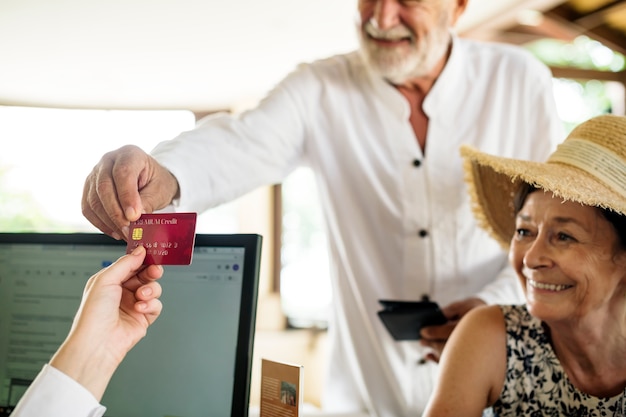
(399, 64)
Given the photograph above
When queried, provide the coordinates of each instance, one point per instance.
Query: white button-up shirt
(396, 230)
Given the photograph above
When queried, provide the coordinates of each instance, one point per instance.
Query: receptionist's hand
(119, 303)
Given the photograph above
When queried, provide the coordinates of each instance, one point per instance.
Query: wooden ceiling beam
(559, 21)
(508, 18)
(599, 17)
(558, 29)
(515, 38)
(608, 37)
(585, 74)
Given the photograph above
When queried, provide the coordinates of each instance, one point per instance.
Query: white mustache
(395, 33)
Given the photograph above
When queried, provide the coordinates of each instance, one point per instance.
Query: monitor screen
(196, 358)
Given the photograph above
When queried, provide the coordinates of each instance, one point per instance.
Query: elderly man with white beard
(380, 127)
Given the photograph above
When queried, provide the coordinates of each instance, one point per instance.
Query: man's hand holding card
(169, 238)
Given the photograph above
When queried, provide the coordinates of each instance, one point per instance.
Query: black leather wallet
(405, 319)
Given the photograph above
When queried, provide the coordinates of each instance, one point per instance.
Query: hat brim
(493, 182)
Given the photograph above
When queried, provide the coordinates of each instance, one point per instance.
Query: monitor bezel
(252, 254)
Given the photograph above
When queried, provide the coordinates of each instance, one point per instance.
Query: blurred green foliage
(582, 53)
(580, 99)
(19, 212)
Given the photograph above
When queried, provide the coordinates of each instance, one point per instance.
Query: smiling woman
(562, 352)
(551, 240)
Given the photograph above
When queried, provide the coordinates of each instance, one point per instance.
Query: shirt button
(417, 162)
(423, 233)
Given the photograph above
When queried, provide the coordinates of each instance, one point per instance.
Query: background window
(48, 153)
(304, 276)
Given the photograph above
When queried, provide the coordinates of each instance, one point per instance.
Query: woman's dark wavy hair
(616, 219)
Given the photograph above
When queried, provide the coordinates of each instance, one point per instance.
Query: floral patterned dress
(535, 383)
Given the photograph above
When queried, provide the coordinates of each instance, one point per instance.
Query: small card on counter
(169, 238)
(281, 389)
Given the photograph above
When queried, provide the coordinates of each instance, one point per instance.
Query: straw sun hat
(589, 167)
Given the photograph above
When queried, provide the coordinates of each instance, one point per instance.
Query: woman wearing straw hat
(564, 221)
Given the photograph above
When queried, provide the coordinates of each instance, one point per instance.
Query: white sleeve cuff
(54, 394)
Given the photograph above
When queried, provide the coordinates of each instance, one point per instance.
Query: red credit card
(169, 238)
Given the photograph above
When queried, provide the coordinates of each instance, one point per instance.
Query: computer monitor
(196, 359)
